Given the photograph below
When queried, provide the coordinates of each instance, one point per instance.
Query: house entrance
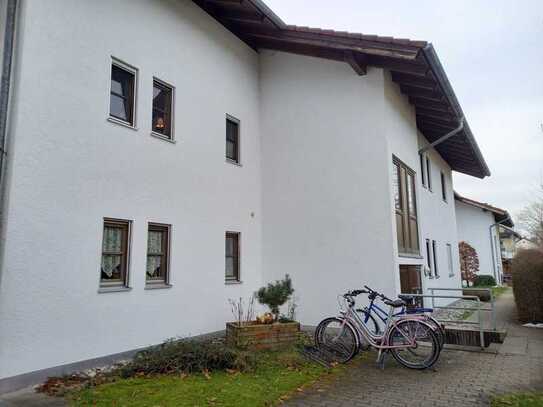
(410, 280)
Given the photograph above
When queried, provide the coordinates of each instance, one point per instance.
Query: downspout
(492, 246)
(5, 87)
(445, 137)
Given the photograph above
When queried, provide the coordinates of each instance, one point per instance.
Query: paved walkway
(460, 378)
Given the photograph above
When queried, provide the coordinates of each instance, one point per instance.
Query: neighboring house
(166, 156)
(480, 225)
(509, 240)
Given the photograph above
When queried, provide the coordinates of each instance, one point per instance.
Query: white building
(479, 225)
(145, 137)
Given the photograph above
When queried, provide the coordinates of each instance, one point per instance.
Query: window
(162, 109)
(232, 139)
(450, 260)
(428, 174)
(422, 170)
(158, 252)
(434, 253)
(115, 253)
(429, 258)
(443, 187)
(122, 93)
(232, 256)
(403, 183)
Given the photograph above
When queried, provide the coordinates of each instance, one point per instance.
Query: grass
(519, 400)
(497, 291)
(276, 375)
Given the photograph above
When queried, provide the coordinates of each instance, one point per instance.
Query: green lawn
(277, 375)
(519, 400)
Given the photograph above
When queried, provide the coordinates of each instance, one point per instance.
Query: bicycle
(411, 341)
(374, 309)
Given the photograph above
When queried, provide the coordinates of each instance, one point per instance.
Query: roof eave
(435, 64)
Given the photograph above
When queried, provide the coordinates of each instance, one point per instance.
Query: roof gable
(414, 66)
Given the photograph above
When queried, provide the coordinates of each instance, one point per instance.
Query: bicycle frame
(383, 316)
(377, 341)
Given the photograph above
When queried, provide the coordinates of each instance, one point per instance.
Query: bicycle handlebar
(377, 294)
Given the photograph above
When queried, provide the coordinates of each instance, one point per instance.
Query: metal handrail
(492, 309)
(466, 297)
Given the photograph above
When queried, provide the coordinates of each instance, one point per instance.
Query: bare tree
(531, 218)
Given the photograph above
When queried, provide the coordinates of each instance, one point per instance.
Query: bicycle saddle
(395, 303)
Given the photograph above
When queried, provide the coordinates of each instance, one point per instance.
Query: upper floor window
(158, 251)
(163, 109)
(232, 139)
(405, 208)
(232, 256)
(423, 169)
(122, 98)
(428, 173)
(443, 187)
(115, 253)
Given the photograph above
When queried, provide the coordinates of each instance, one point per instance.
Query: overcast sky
(492, 52)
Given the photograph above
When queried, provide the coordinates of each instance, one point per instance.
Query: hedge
(528, 285)
(484, 280)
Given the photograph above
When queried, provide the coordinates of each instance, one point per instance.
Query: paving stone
(460, 378)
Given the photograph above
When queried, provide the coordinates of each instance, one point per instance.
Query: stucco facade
(312, 196)
(474, 228)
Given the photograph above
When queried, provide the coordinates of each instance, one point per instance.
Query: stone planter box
(257, 336)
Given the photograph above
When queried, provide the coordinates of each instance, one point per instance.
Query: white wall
(316, 144)
(326, 180)
(436, 217)
(473, 228)
(71, 168)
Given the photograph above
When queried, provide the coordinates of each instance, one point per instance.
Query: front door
(410, 280)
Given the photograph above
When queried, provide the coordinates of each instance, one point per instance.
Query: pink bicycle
(410, 339)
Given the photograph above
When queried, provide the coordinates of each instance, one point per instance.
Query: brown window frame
(167, 112)
(236, 257)
(130, 98)
(235, 141)
(126, 227)
(165, 254)
(407, 227)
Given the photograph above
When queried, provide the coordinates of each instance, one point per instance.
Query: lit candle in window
(160, 123)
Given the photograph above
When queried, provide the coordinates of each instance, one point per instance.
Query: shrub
(187, 356)
(275, 294)
(528, 285)
(484, 280)
(469, 262)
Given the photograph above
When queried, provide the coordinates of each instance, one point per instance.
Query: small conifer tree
(275, 294)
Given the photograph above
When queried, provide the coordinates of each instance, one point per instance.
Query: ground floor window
(115, 253)
(158, 251)
(232, 256)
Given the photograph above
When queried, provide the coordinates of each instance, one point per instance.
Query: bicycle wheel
(438, 330)
(336, 339)
(426, 350)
